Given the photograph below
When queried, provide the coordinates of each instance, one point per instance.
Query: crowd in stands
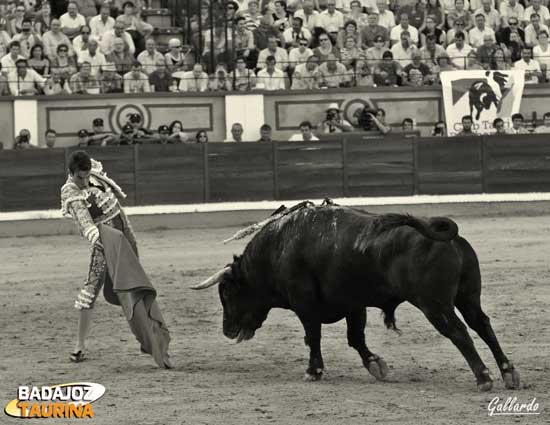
(88, 47)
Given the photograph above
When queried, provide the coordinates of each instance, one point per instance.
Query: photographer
(23, 140)
(333, 122)
(372, 120)
(440, 129)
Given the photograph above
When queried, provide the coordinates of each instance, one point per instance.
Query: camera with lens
(365, 121)
(24, 138)
(332, 115)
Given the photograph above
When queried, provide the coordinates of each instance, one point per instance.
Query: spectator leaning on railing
(136, 81)
(25, 81)
(270, 78)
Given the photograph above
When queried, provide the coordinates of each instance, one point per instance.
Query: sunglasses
(230, 8)
(85, 32)
(323, 39)
(459, 24)
(513, 23)
(63, 50)
(20, 10)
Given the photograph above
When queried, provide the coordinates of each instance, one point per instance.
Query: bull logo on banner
(485, 95)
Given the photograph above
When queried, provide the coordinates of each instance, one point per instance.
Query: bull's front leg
(312, 339)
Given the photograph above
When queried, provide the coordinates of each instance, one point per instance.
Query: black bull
(329, 263)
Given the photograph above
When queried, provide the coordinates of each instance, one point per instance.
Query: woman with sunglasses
(374, 54)
(176, 132)
(64, 64)
(201, 136)
(459, 26)
(38, 60)
(325, 48)
(460, 12)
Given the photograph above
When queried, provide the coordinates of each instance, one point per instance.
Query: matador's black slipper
(77, 357)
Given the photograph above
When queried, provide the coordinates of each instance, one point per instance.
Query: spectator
(127, 137)
(56, 84)
(541, 53)
(530, 66)
(325, 48)
(279, 54)
(265, 133)
(299, 55)
(545, 127)
(242, 78)
(264, 32)
(9, 60)
(333, 122)
(350, 30)
(252, 15)
(4, 86)
(176, 132)
(72, 21)
(440, 129)
(498, 125)
(83, 82)
(537, 8)
(82, 137)
(242, 43)
(305, 134)
(134, 25)
(164, 135)
(219, 80)
(98, 136)
(386, 72)
(518, 126)
(414, 78)
(292, 37)
(43, 20)
(136, 81)
(407, 125)
(92, 55)
(459, 26)
(510, 9)
(331, 20)
(270, 78)
(161, 81)
(38, 60)
(102, 23)
(151, 59)
(16, 21)
(434, 9)
(110, 37)
(27, 40)
(533, 29)
(308, 15)
(492, 17)
(515, 46)
(4, 39)
(87, 8)
(281, 17)
(373, 31)
(53, 38)
(395, 35)
(374, 54)
(356, 14)
(201, 137)
(431, 52)
(458, 51)
(64, 64)
(403, 51)
(23, 140)
(426, 76)
(478, 33)
(371, 120)
(236, 133)
(120, 56)
(443, 64)
(505, 33)
(416, 11)
(467, 125)
(431, 30)
(351, 54)
(110, 80)
(385, 16)
(486, 50)
(460, 12)
(50, 136)
(178, 58)
(194, 81)
(24, 81)
(499, 61)
(363, 76)
(333, 74)
(471, 61)
(306, 76)
(80, 42)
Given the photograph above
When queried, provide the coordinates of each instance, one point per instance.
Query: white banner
(485, 95)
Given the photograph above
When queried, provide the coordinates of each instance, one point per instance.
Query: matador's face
(81, 178)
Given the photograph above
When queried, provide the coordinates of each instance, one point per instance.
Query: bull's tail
(437, 228)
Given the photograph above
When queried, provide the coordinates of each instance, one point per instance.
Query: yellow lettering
(23, 406)
(74, 411)
(35, 411)
(59, 410)
(87, 411)
(47, 410)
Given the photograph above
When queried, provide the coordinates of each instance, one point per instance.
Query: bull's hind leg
(448, 324)
(470, 307)
(312, 339)
(356, 321)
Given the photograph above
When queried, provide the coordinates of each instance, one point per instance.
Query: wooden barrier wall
(216, 172)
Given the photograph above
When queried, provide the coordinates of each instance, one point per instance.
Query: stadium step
(159, 18)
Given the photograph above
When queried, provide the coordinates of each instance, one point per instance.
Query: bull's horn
(212, 280)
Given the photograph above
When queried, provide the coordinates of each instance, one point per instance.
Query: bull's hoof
(485, 386)
(378, 368)
(511, 379)
(313, 375)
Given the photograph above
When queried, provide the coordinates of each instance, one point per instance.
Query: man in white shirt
(478, 33)
(292, 35)
(541, 10)
(9, 60)
(518, 126)
(193, 81)
(510, 9)
(270, 78)
(305, 134)
(530, 66)
(72, 21)
(458, 51)
(299, 55)
(151, 59)
(80, 42)
(27, 39)
(404, 26)
(280, 54)
(331, 19)
(108, 41)
(237, 131)
(25, 81)
(402, 52)
(136, 81)
(53, 38)
(102, 23)
(545, 128)
(492, 17)
(306, 76)
(308, 15)
(385, 16)
(533, 29)
(93, 56)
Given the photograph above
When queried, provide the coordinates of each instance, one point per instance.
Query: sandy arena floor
(219, 382)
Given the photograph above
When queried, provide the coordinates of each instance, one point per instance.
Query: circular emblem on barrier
(122, 113)
(352, 106)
